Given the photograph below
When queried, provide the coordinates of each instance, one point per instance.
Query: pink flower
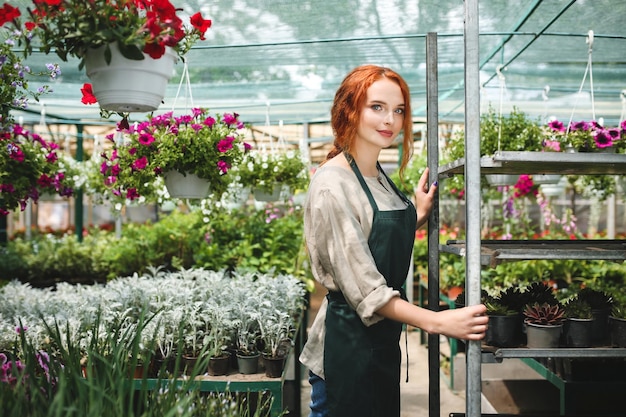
(209, 121)
(225, 144)
(603, 139)
(556, 126)
(140, 164)
(230, 119)
(132, 194)
(223, 166)
(15, 153)
(145, 139)
(525, 186)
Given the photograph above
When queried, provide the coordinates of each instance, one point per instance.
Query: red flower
(88, 97)
(8, 13)
(200, 24)
(155, 50)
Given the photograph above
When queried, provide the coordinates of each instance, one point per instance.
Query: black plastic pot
(504, 331)
(578, 332)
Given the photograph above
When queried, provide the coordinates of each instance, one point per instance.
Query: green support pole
(4, 233)
(78, 196)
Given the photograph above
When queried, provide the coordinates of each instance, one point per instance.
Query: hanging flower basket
(186, 185)
(501, 180)
(128, 85)
(262, 194)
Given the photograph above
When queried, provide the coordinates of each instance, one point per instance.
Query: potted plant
(104, 33)
(267, 173)
(217, 338)
(579, 323)
(246, 314)
(601, 304)
(505, 318)
(617, 325)
(587, 136)
(30, 166)
(193, 146)
(513, 132)
(544, 323)
(276, 328)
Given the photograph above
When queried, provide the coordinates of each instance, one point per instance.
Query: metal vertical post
(432, 126)
(78, 197)
(473, 199)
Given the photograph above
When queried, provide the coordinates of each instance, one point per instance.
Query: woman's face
(383, 114)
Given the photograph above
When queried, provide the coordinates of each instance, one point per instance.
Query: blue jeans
(318, 405)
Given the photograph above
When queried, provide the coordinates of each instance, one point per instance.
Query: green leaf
(130, 52)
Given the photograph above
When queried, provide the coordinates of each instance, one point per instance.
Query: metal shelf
(495, 251)
(565, 163)
(493, 354)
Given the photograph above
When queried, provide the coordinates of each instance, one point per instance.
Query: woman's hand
(467, 323)
(423, 198)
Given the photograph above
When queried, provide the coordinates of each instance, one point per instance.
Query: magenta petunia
(556, 126)
(145, 139)
(582, 125)
(140, 163)
(44, 180)
(225, 144)
(603, 139)
(223, 166)
(230, 119)
(52, 157)
(132, 194)
(209, 121)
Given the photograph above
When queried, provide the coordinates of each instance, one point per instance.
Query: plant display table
(259, 382)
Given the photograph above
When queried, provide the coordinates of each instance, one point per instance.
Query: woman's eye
(400, 111)
(377, 107)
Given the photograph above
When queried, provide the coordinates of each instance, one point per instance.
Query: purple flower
(582, 125)
(603, 139)
(556, 126)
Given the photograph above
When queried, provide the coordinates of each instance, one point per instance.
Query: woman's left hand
(424, 197)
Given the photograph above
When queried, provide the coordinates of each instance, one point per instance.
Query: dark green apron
(362, 364)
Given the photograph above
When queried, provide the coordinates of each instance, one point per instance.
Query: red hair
(349, 101)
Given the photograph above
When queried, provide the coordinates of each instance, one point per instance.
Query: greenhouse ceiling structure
(282, 60)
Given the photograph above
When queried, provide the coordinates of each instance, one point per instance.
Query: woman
(359, 231)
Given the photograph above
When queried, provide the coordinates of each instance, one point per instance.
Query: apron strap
(356, 170)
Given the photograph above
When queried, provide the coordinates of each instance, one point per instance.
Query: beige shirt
(337, 223)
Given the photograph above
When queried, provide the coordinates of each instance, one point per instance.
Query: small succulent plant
(598, 300)
(495, 307)
(539, 292)
(578, 308)
(545, 314)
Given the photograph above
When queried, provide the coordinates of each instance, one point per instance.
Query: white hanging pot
(540, 179)
(502, 179)
(261, 194)
(186, 186)
(128, 85)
